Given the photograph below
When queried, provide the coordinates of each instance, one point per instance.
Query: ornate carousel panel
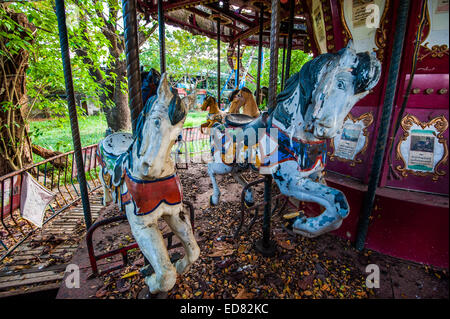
(353, 141)
(422, 147)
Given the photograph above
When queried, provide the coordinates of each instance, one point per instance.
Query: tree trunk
(15, 145)
(118, 117)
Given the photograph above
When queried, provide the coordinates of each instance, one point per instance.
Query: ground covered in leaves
(324, 267)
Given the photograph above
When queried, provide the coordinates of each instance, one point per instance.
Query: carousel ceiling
(239, 20)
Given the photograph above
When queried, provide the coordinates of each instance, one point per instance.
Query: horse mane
(232, 95)
(149, 83)
(251, 99)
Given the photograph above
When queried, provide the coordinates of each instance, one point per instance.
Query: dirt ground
(323, 267)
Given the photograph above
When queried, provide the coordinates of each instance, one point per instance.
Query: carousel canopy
(239, 20)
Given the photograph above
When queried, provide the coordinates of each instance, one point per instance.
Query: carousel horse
(245, 99)
(215, 115)
(290, 140)
(139, 174)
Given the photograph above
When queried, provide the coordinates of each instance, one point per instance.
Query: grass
(194, 119)
(55, 134)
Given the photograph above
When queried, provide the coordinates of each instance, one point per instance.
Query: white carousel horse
(290, 141)
(139, 174)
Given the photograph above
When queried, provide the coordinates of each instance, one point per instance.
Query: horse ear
(177, 110)
(350, 44)
(349, 58)
(164, 92)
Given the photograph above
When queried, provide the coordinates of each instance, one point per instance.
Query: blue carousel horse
(289, 142)
(139, 174)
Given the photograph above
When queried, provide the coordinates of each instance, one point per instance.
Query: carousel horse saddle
(238, 120)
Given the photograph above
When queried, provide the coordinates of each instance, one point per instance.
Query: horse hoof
(211, 201)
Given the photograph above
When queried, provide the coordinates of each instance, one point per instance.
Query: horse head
(334, 83)
(208, 102)
(159, 125)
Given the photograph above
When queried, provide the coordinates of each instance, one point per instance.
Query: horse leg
(202, 126)
(249, 199)
(181, 226)
(291, 183)
(152, 246)
(213, 169)
(107, 197)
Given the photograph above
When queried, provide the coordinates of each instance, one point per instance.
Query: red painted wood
(416, 229)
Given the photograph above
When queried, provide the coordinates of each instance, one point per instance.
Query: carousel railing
(59, 175)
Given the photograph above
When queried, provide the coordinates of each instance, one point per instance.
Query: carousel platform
(400, 278)
(38, 265)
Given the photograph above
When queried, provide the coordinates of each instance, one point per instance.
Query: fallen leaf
(101, 293)
(123, 285)
(130, 274)
(243, 294)
(286, 244)
(222, 249)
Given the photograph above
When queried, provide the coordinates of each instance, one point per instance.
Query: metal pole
(266, 246)
(218, 62)
(132, 54)
(290, 36)
(162, 38)
(258, 77)
(65, 54)
(238, 63)
(394, 69)
(274, 44)
(283, 63)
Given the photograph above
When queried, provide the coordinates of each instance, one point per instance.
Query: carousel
(358, 138)
(391, 157)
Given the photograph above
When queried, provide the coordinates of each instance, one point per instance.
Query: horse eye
(341, 85)
(157, 122)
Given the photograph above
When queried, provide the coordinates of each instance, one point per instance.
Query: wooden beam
(170, 6)
(231, 14)
(184, 25)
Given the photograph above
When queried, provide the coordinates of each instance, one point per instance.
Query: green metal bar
(64, 43)
(383, 131)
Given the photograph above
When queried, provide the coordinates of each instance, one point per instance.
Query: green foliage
(187, 55)
(58, 135)
(45, 78)
(55, 134)
(194, 119)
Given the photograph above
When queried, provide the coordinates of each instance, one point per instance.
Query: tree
(187, 55)
(16, 37)
(100, 26)
(99, 66)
